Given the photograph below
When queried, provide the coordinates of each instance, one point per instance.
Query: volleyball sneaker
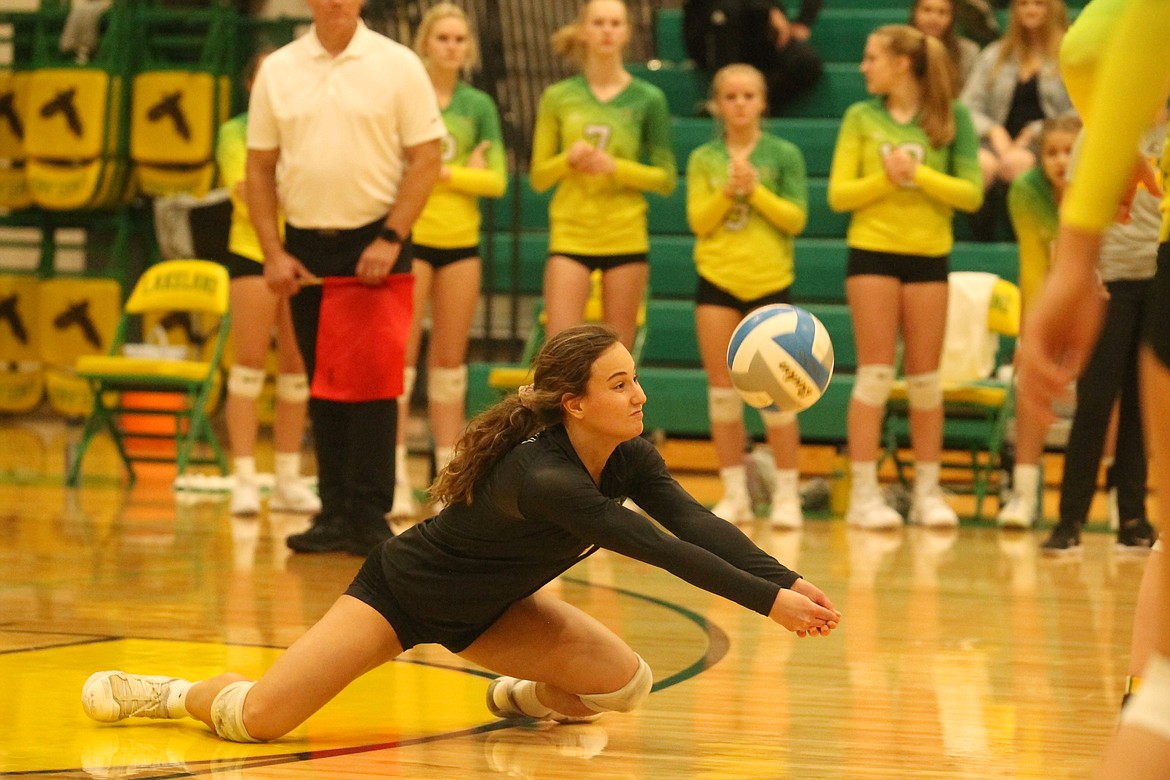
(930, 509)
(867, 509)
(245, 498)
(112, 696)
(294, 496)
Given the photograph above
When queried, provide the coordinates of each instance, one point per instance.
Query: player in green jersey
(446, 263)
(746, 198)
(257, 312)
(1033, 200)
(904, 161)
(603, 139)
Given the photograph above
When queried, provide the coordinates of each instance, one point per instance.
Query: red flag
(361, 338)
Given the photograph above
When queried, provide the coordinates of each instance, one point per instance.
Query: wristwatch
(391, 235)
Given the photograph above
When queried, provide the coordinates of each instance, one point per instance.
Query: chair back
(188, 285)
(1003, 311)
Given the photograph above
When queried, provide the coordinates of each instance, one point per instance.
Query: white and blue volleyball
(781, 358)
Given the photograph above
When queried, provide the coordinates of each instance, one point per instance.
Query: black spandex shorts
(437, 258)
(604, 262)
(1156, 332)
(711, 295)
(907, 269)
(239, 266)
(370, 587)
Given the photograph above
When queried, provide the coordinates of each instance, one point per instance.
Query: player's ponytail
(562, 368)
(930, 67)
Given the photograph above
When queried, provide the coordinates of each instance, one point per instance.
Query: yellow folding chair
(977, 403)
(198, 288)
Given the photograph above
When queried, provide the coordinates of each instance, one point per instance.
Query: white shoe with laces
(734, 509)
(294, 496)
(932, 510)
(245, 498)
(112, 696)
(867, 509)
(786, 512)
(1018, 512)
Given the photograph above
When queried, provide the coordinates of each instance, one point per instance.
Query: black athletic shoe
(326, 535)
(1135, 536)
(1065, 539)
(362, 541)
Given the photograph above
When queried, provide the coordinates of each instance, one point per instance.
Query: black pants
(1112, 372)
(720, 32)
(354, 441)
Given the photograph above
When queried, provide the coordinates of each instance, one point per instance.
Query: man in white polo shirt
(344, 136)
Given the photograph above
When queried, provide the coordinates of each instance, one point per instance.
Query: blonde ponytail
(930, 67)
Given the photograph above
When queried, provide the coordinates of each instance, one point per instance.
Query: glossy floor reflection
(961, 653)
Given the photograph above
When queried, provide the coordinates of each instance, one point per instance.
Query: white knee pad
(924, 391)
(873, 384)
(227, 712)
(447, 385)
(409, 374)
(292, 388)
(776, 419)
(245, 382)
(1149, 708)
(626, 698)
(724, 405)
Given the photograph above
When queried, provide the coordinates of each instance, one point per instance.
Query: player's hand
(781, 27)
(578, 153)
(478, 156)
(1063, 325)
(900, 167)
(377, 261)
(815, 594)
(800, 614)
(597, 163)
(285, 274)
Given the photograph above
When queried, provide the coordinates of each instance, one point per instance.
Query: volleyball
(780, 358)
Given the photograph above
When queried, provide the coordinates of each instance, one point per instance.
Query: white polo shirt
(341, 124)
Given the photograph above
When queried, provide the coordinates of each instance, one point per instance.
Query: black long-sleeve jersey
(536, 514)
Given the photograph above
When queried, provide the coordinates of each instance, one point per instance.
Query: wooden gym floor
(961, 654)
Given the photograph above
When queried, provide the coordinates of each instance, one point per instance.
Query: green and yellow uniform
(912, 220)
(745, 245)
(451, 216)
(1164, 169)
(231, 155)
(1110, 41)
(595, 214)
(1035, 217)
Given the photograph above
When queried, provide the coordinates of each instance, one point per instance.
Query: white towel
(969, 348)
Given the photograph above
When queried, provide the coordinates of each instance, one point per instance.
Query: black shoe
(1065, 539)
(326, 535)
(1136, 536)
(363, 541)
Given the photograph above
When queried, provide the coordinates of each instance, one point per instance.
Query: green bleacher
(670, 368)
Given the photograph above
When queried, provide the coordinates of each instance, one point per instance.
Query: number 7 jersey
(602, 214)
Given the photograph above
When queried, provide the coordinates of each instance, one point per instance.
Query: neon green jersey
(1164, 170)
(451, 216)
(1114, 64)
(602, 214)
(913, 220)
(1032, 207)
(744, 245)
(231, 156)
